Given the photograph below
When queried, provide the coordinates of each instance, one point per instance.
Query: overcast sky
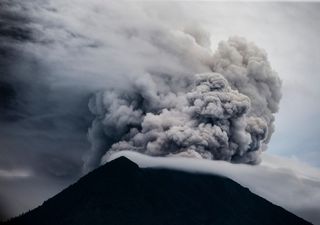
(55, 56)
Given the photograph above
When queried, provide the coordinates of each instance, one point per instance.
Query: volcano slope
(120, 193)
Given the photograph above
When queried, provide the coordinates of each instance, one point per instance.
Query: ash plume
(226, 114)
(153, 83)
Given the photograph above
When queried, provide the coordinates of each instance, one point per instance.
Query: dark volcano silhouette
(121, 193)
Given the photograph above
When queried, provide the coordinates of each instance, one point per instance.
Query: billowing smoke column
(225, 114)
(156, 85)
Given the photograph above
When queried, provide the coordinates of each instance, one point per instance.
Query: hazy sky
(55, 55)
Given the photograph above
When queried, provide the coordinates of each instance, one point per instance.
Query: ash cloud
(152, 81)
(225, 114)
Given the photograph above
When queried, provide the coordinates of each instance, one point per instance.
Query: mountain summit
(120, 193)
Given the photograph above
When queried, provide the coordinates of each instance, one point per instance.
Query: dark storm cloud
(11, 32)
(35, 129)
(38, 134)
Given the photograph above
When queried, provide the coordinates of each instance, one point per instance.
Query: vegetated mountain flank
(121, 193)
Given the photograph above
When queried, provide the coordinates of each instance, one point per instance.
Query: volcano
(120, 193)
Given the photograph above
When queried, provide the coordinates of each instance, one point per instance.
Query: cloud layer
(288, 183)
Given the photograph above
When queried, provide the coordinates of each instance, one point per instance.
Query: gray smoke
(225, 114)
(154, 83)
